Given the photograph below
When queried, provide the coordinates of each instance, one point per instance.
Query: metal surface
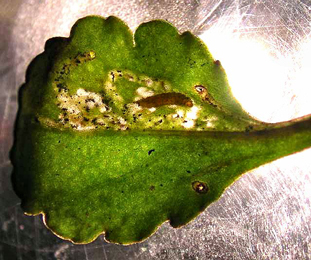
(264, 47)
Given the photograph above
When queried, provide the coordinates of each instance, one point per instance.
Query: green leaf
(116, 134)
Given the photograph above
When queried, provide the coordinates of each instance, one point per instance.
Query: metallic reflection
(264, 46)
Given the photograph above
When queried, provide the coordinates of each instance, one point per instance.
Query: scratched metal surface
(264, 46)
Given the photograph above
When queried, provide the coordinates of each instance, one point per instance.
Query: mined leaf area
(117, 133)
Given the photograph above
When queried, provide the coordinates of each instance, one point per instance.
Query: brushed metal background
(264, 47)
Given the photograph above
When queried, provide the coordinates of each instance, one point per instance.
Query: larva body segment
(165, 99)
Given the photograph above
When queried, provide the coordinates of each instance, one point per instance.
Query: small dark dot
(152, 150)
(161, 185)
(217, 62)
(249, 128)
(152, 188)
(200, 187)
(59, 141)
(188, 171)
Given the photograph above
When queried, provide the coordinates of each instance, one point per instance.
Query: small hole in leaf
(200, 88)
(200, 187)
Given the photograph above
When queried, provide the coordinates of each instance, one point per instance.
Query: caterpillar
(165, 99)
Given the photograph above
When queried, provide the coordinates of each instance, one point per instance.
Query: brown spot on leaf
(217, 62)
(202, 91)
(200, 187)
